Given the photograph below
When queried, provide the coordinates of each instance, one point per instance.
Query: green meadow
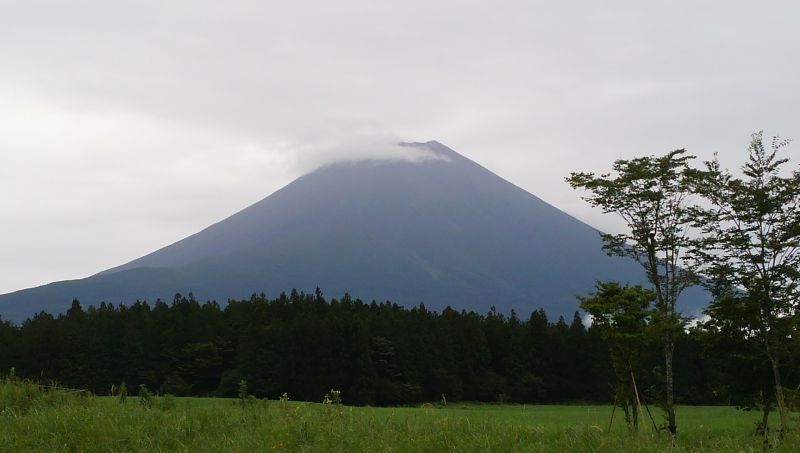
(33, 418)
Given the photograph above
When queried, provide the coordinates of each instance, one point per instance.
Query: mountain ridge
(444, 231)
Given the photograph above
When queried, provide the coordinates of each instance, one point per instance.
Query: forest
(375, 353)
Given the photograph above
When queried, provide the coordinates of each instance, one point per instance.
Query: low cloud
(310, 156)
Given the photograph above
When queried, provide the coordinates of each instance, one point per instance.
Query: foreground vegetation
(34, 418)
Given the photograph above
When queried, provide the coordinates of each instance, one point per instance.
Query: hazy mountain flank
(443, 231)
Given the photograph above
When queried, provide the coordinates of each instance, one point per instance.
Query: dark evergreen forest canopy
(375, 353)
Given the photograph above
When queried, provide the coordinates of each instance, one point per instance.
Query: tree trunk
(666, 305)
(669, 348)
(628, 420)
(763, 428)
(634, 413)
(779, 397)
(636, 394)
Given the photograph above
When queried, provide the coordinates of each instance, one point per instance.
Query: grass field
(35, 420)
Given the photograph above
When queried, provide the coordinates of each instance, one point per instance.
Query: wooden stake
(612, 416)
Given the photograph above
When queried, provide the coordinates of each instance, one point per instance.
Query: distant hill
(443, 231)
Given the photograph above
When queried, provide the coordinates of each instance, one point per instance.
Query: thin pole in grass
(635, 390)
(655, 428)
(613, 409)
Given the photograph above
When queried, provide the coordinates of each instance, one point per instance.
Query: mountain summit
(443, 231)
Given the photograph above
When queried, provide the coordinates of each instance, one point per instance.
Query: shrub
(145, 396)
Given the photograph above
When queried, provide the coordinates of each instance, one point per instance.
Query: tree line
(375, 353)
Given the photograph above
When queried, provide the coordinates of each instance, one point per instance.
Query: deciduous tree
(650, 194)
(621, 314)
(751, 244)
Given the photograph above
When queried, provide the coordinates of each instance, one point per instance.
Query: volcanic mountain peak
(445, 231)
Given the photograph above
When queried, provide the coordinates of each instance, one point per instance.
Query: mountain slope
(444, 231)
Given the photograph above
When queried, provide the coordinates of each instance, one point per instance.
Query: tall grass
(38, 418)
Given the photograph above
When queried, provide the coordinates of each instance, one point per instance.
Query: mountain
(443, 231)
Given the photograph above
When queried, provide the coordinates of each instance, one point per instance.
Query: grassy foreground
(36, 419)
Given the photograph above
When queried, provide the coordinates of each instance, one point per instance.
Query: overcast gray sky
(125, 126)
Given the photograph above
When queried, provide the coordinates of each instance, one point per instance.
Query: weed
(167, 402)
(333, 397)
(122, 391)
(145, 396)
